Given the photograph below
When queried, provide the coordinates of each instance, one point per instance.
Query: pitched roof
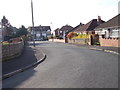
(89, 26)
(65, 28)
(77, 27)
(56, 29)
(45, 28)
(114, 22)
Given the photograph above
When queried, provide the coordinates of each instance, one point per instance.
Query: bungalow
(40, 32)
(109, 32)
(89, 27)
(110, 29)
(75, 29)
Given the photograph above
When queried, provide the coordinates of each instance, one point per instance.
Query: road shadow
(18, 79)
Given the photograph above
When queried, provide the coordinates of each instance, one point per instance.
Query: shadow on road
(18, 79)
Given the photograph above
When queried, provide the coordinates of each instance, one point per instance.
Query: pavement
(30, 57)
(114, 50)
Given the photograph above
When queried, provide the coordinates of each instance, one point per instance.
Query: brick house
(77, 27)
(63, 30)
(89, 27)
(40, 32)
(110, 29)
(109, 32)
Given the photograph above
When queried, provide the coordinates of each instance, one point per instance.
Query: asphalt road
(69, 66)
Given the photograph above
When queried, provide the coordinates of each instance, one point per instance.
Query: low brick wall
(110, 42)
(12, 50)
(57, 40)
(78, 41)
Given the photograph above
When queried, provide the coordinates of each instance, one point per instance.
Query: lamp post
(33, 23)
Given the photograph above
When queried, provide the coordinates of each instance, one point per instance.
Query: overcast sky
(59, 12)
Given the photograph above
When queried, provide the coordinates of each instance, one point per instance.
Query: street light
(33, 23)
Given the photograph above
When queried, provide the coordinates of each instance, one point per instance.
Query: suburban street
(68, 66)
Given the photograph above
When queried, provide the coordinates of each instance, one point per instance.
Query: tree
(7, 29)
(22, 31)
(4, 21)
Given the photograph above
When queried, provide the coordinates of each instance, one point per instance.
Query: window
(115, 32)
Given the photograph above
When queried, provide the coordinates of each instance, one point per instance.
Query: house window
(101, 32)
(37, 32)
(60, 31)
(115, 32)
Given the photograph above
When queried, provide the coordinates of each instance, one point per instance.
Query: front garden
(90, 39)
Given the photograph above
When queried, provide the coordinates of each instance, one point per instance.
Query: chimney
(99, 20)
(81, 24)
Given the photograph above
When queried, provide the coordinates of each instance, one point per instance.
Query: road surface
(69, 66)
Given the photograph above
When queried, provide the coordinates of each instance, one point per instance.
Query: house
(110, 29)
(89, 27)
(77, 27)
(56, 32)
(63, 30)
(40, 32)
(109, 32)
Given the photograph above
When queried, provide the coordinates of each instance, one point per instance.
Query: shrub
(70, 35)
(5, 43)
(81, 36)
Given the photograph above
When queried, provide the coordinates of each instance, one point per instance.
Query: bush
(81, 36)
(70, 35)
(5, 43)
(86, 41)
(97, 43)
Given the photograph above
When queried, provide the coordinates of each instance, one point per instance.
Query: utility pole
(33, 23)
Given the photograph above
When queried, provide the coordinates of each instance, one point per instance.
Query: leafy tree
(22, 31)
(4, 21)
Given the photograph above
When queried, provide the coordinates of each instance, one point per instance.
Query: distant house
(56, 32)
(75, 29)
(110, 29)
(63, 30)
(40, 32)
(89, 27)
